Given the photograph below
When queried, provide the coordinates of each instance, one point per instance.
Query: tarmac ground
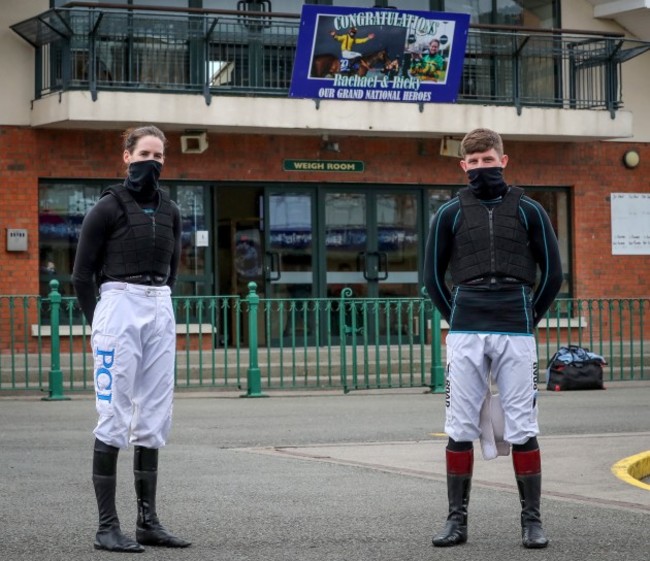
(324, 476)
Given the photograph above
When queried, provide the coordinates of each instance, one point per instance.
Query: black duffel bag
(575, 368)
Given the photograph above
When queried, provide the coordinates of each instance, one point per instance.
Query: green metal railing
(96, 47)
(254, 344)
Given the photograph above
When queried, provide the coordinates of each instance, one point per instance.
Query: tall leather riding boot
(149, 530)
(109, 535)
(459, 482)
(528, 473)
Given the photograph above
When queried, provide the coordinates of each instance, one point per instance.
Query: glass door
(320, 240)
(289, 263)
(346, 243)
(371, 243)
(195, 266)
(371, 246)
(397, 244)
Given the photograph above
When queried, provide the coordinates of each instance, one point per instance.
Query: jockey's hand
(371, 36)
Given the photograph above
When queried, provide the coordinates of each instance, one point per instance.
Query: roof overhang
(43, 29)
(632, 15)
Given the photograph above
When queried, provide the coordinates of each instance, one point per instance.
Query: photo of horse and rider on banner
(379, 54)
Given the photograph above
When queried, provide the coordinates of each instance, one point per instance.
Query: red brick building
(249, 216)
(589, 172)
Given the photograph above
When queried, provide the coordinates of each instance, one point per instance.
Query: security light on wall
(194, 142)
(631, 159)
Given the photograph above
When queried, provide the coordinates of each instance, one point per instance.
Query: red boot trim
(460, 463)
(527, 463)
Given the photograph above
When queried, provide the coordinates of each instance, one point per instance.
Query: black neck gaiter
(487, 183)
(142, 179)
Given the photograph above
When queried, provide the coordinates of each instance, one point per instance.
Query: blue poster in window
(379, 54)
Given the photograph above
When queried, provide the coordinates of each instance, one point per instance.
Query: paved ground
(326, 477)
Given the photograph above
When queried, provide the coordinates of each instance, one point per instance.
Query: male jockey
(350, 59)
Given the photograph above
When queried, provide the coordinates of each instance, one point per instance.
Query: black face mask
(487, 183)
(143, 176)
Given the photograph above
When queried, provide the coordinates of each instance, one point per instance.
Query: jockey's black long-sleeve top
(101, 221)
(493, 307)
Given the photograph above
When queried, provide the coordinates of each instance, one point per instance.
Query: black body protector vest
(147, 246)
(491, 241)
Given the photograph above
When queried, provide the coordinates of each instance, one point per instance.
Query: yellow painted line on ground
(438, 434)
(633, 469)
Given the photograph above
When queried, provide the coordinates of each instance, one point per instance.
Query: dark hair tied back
(131, 136)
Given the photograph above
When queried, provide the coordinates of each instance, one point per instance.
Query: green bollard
(437, 370)
(55, 374)
(253, 374)
(344, 329)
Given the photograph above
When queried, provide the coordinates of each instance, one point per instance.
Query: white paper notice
(630, 223)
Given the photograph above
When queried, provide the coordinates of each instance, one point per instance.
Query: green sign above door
(323, 165)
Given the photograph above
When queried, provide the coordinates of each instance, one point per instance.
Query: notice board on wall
(630, 223)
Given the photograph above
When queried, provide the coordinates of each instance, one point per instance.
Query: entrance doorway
(371, 246)
(309, 242)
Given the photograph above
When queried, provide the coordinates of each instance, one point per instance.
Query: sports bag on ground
(575, 368)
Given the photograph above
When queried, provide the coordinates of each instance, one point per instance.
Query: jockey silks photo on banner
(379, 54)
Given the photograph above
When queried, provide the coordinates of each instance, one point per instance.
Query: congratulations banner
(379, 54)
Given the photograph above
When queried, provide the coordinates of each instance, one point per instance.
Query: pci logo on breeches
(104, 376)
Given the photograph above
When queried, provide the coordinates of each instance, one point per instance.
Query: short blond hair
(481, 140)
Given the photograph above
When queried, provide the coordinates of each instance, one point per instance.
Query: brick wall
(592, 169)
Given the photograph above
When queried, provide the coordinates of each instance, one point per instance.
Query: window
(439, 197)
(542, 14)
(555, 202)
(63, 205)
(62, 3)
(195, 267)
(496, 68)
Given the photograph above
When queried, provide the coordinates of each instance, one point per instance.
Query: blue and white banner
(379, 54)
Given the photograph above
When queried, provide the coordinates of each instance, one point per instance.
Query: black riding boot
(459, 482)
(149, 530)
(528, 472)
(109, 535)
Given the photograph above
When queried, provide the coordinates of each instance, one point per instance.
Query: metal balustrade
(253, 344)
(223, 52)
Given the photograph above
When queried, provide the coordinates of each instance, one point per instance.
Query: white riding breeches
(134, 348)
(511, 361)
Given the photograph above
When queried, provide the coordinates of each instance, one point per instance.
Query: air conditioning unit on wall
(450, 147)
(194, 143)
